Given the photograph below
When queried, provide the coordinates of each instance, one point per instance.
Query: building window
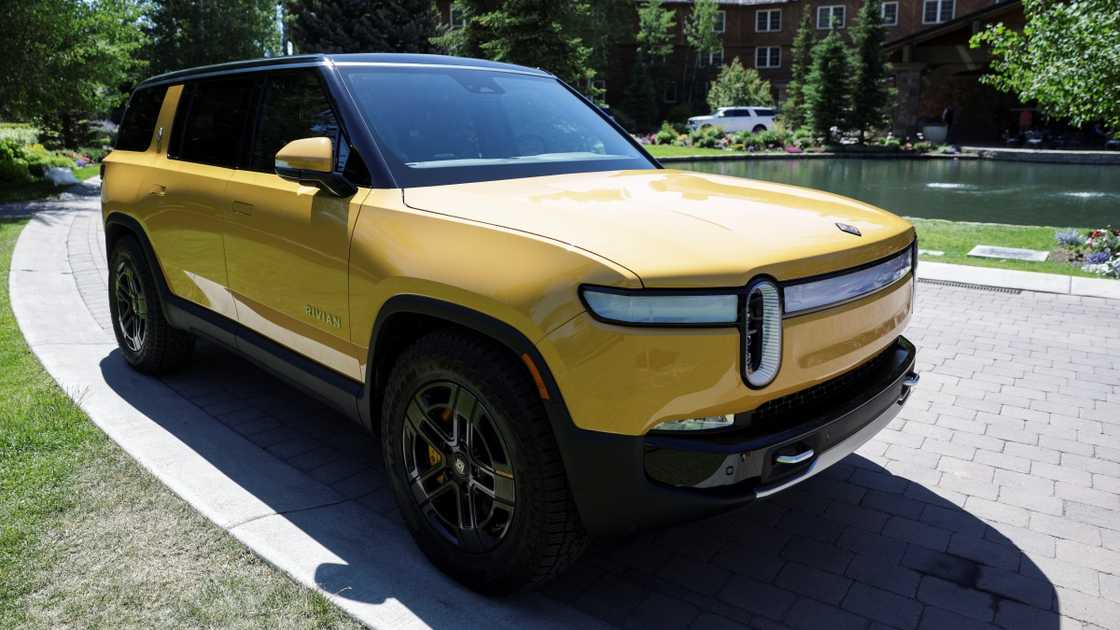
(831, 16)
(670, 95)
(768, 21)
(938, 11)
(455, 17)
(721, 22)
(712, 59)
(768, 57)
(889, 13)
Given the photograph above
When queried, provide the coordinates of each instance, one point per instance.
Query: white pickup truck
(749, 118)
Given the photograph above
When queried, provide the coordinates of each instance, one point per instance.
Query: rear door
(287, 245)
(187, 189)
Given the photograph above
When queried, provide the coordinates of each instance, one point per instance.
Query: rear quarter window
(135, 133)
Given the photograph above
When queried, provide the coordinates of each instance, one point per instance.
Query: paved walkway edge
(293, 522)
(1025, 280)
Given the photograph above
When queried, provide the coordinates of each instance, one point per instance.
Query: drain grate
(969, 285)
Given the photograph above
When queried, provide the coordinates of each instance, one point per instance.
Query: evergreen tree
(348, 26)
(186, 33)
(641, 98)
(827, 90)
(737, 85)
(871, 96)
(700, 33)
(464, 40)
(793, 110)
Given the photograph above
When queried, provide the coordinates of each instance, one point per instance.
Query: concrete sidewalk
(993, 500)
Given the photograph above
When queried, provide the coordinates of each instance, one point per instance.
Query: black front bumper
(625, 483)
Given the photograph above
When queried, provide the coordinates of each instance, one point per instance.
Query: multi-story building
(760, 33)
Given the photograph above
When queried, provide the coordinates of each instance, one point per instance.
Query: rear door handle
(240, 207)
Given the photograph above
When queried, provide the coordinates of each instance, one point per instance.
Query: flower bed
(1095, 251)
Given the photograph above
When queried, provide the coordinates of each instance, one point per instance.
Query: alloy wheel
(458, 466)
(132, 306)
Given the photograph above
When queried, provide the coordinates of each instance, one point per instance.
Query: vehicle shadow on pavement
(852, 546)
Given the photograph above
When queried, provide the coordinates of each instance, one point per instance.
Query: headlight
(662, 309)
(814, 295)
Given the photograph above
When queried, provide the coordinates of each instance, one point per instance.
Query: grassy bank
(956, 239)
(42, 188)
(89, 539)
(668, 150)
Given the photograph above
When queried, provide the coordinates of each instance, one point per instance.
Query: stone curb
(1024, 280)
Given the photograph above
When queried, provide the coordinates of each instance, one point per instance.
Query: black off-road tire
(163, 349)
(544, 534)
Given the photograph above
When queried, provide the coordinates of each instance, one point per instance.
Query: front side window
(831, 16)
(768, 20)
(937, 11)
(768, 57)
(211, 127)
(139, 122)
(295, 106)
(889, 13)
(439, 125)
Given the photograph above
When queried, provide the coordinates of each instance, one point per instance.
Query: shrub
(39, 159)
(891, 142)
(1070, 238)
(20, 133)
(667, 134)
(923, 146)
(802, 138)
(706, 137)
(13, 164)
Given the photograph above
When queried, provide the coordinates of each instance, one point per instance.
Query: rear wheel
(148, 342)
(474, 465)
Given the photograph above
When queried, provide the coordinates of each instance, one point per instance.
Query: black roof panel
(305, 60)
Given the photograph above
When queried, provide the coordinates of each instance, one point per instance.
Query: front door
(287, 245)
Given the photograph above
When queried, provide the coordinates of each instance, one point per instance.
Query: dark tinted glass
(446, 125)
(214, 124)
(295, 106)
(135, 133)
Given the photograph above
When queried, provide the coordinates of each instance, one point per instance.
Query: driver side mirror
(310, 161)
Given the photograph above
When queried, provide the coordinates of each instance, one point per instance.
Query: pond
(1019, 193)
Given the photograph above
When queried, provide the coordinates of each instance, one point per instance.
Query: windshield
(451, 125)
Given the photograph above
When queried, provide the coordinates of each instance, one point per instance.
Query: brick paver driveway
(994, 498)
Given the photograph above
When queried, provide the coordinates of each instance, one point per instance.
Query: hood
(681, 228)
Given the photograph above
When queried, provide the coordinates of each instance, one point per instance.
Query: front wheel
(758, 128)
(474, 465)
(148, 342)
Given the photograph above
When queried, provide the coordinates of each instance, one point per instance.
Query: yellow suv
(554, 337)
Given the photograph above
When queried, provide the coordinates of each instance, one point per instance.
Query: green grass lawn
(89, 539)
(41, 189)
(666, 150)
(956, 239)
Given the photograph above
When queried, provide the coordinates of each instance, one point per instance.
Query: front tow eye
(908, 383)
(797, 458)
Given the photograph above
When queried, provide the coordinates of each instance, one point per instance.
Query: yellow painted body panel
(313, 271)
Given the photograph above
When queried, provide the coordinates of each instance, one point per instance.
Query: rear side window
(763, 112)
(295, 106)
(211, 128)
(135, 133)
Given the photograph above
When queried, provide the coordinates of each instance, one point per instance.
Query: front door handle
(240, 207)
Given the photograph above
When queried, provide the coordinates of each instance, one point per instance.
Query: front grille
(808, 403)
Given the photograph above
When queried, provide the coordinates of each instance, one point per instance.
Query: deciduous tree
(871, 96)
(655, 31)
(62, 60)
(700, 33)
(1067, 59)
(737, 85)
(349, 26)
